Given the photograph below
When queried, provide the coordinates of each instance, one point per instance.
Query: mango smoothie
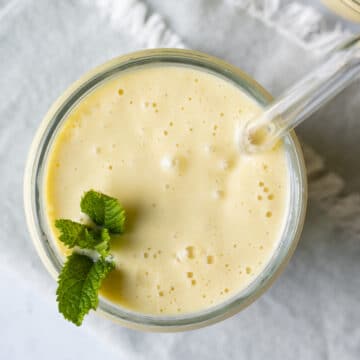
(203, 219)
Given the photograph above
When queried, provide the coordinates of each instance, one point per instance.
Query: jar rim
(34, 172)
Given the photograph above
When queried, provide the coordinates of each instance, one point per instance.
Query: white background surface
(294, 320)
(32, 328)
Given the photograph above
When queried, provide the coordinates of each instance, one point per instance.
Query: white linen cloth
(313, 310)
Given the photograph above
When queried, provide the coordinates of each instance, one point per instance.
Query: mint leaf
(76, 234)
(103, 247)
(92, 204)
(114, 215)
(104, 210)
(78, 285)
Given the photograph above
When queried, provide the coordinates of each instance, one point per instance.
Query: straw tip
(250, 139)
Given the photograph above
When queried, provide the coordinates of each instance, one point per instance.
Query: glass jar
(47, 132)
(349, 9)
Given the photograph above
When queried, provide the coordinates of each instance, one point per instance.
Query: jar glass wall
(34, 187)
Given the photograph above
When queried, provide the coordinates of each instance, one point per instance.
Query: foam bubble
(181, 255)
(190, 252)
(210, 259)
(168, 162)
(217, 194)
(209, 148)
(224, 164)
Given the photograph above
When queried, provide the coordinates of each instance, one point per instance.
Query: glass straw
(302, 99)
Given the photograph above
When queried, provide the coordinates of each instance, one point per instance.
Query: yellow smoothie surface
(203, 219)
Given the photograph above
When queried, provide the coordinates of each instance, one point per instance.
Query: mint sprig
(80, 278)
(79, 282)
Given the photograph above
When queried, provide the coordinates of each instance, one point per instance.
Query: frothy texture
(203, 219)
